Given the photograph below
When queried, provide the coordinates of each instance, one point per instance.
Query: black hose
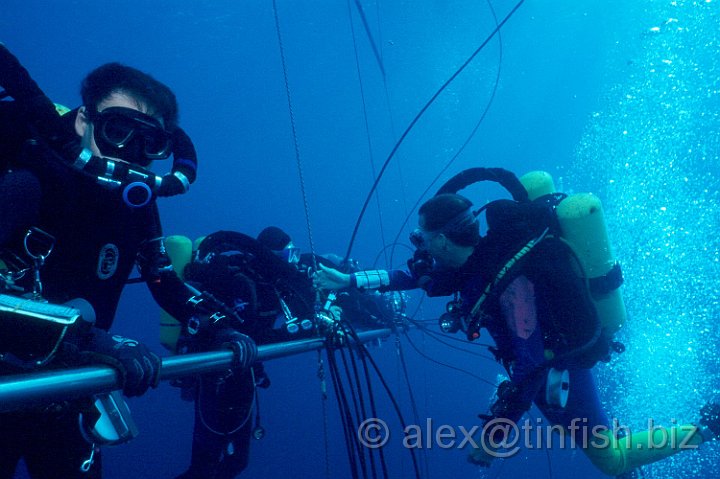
(417, 118)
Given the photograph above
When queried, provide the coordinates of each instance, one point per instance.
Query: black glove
(421, 264)
(171, 186)
(138, 366)
(243, 346)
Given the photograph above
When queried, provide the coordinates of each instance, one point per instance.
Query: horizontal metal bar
(18, 391)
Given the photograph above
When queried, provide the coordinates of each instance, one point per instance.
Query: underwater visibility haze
(294, 107)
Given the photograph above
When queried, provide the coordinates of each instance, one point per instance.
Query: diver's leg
(207, 447)
(526, 341)
(237, 416)
(233, 464)
(13, 430)
(222, 427)
(590, 429)
(60, 449)
(207, 450)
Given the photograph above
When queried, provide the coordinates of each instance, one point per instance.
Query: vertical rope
(417, 118)
(294, 133)
(365, 113)
(467, 140)
(324, 397)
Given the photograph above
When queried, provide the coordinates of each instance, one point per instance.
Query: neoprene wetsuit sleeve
(166, 287)
(34, 106)
(171, 293)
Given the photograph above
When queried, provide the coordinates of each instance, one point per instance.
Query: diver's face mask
(421, 238)
(130, 135)
(289, 253)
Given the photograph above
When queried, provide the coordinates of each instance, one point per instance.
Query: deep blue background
(560, 63)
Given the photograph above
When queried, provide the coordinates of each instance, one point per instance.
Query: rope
(323, 398)
(417, 118)
(467, 140)
(294, 134)
(364, 104)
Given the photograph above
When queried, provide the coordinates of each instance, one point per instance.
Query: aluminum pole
(18, 391)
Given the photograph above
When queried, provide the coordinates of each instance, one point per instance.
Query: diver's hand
(138, 366)
(242, 345)
(329, 279)
(480, 450)
(480, 457)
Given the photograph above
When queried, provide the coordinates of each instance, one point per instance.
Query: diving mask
(130, 135)
(420, 238)
(290, 253)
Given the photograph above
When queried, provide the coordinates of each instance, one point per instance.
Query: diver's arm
(34, 106)
(383, 280)
(330, 279)
(192, 308)
(380, 279)
(166, 287)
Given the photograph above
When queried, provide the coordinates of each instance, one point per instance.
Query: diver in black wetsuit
(263, 288)
(267, 281)
(362, 309)
(98, 217)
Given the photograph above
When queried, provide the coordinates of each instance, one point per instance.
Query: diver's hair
(117, 78)
(439, 210)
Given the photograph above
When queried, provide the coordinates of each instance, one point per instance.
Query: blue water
(615, 97)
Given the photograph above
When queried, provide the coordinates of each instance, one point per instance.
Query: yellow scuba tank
(582, 225)
(180, 251)
(61, 109)
(537, 184)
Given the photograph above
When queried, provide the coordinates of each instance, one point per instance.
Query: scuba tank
(535, 214)
(582, 224)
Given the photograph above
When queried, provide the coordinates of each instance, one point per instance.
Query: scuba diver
(521, 282)
(267, 282)
(275, 301)
(78, 211)
(365, 310)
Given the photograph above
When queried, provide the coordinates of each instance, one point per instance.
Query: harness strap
(474, 323)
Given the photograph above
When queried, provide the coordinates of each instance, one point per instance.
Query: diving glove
(480, 450)
(242, 345)
(139, 367)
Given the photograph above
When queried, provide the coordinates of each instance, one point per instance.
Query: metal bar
(20, 391)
